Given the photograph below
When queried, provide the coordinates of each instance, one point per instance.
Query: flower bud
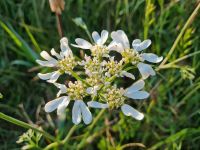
(57, 6)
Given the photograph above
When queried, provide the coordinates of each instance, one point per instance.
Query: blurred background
(172, 113)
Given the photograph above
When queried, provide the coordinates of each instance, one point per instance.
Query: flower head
(64, 62)
(75, 92)
(96, 75)
(133, 56)
(98, 48)
(115, 98)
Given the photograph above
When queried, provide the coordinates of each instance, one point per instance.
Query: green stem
(56, 144)
(52, 145)
(71, 131)
(25, 125)
(188, 22)
(178, 60)
(84, 139)
(76, 76)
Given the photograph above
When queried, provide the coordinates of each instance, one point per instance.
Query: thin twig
(59, 25)
(132, 145)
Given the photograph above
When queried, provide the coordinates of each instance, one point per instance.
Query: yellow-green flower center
(99, 51)
(67, 64)
(130, 56)
(114, 97)
(76, 90)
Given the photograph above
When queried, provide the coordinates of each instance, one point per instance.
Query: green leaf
(20, 42)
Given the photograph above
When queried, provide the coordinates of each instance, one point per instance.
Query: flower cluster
(95, 87)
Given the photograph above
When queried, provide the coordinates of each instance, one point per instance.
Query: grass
(172, 113)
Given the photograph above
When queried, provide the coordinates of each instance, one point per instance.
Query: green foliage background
(172, 113)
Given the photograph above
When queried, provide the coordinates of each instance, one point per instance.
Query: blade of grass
(188, 22)
(25, 125)
(37, 47)
(181, 134)
(18, 40)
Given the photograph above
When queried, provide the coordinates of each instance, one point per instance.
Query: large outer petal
(54, 77)
(139, 46)
(104, 36)
(96, 37)
(130, 111)
(96, 104)
(52, 105)
(76, 112)
(81, 43)
(145, 70)
(47, 63)
(150, 57)
(86, 114)
(120, 37)
(135, 86)
(45, 76)
(62, 106)
(137, 95)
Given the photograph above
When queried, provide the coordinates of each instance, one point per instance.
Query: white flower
(138, 45)
(79, 110)
(98, 48)
(62, 58)
(133, 92)
(99, 40)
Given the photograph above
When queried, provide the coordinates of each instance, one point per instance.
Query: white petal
(87, 116)
(114, 46)
(52, 105)
(137, 95)
(54, 53)
(120, 37)
(136, 41)
(45, 76)
(96, 104)
(46, 56)
(47, 63)
(124, 38)
(135, 86)
(104, 36)
(130, 111)
(62, 87)
(62, 106)
(82, 44)
(64, 46)
(96, 37)
(145, 70)
(54, 77)
(139, 46)
(151, 57)
(127, 74)
(76, 112)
